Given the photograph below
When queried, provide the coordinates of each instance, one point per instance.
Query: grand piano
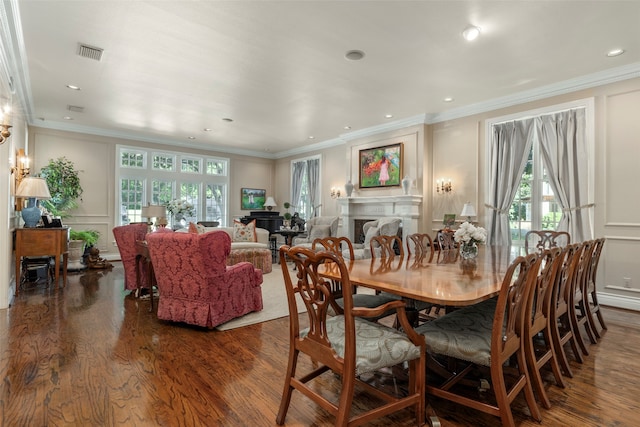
(269, 220)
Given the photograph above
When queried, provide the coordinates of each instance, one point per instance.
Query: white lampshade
(468, 210)
(32, 187)
(270, 203)
(144, 212)
(154, 211)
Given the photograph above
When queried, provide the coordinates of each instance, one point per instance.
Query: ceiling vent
(75, 108)
(90, 52)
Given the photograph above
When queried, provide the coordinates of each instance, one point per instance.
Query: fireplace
(355, 211)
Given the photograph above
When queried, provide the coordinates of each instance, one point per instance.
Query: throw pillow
(244, 232)
(371, 232)
(196, 228)
(319, 232)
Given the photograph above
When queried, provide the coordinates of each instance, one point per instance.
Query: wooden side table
(142, 256)
(43, 242)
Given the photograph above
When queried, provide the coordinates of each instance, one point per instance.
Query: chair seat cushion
(370, 301)
(377, 346)
(464, 334)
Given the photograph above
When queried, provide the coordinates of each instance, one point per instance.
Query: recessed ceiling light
(347, 127)
(388, 116)
(207, 129)
(471, 33)
(67, 118)
(448, 99)
(73, 87)
(615, 52)
(227, 119)
(192, 137)
(312, 137)
(354, 55)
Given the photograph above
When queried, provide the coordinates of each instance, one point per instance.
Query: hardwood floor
(88, 355)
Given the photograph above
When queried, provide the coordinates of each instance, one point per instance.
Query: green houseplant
(90, 237)
(287, 214)
(63, 181)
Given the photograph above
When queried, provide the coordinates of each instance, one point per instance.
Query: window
(305, 191)
(168, 176)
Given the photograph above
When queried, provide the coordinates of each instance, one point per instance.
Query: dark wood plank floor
(89, 355)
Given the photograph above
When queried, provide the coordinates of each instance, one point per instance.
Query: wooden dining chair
(385, 246)
(445, 240)
(592, 306)
(538, 343)
(562, 331)
(422, 246)
(336, 245)
(539, 240)
(483, 336)
(578, 315)
(345, 344)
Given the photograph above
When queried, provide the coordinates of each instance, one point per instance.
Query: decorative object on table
(33, 189)
(468, 210)
(348, 188)
(63, 180)
(381, 166)
(287, 216)
(179, 209)
(406, 184)
(468, 237)
(270, 203)
(297, 223)
(443, 186)
(449, 220)
(252, 198)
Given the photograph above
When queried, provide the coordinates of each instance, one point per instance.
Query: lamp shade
(155, 211)
(468, 210)
(32, 187)
(270, 203)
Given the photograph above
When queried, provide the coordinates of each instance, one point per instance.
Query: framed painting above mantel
(252, 198)
(381, 166)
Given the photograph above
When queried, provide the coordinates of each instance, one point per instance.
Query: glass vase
(469, 250)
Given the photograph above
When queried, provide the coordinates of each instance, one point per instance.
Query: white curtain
(510, 143)
(296, 182)
(313, 178)
(564, 152)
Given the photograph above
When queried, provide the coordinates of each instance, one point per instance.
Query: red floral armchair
(126, 237)
(196, 286)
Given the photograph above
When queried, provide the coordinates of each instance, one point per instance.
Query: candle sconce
(444, 186)
(20, 171)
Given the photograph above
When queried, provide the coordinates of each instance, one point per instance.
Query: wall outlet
(627, 282)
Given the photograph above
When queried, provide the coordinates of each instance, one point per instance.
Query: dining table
(446, 280)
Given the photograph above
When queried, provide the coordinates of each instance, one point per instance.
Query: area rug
(274, 300)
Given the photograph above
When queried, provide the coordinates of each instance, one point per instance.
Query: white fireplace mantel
(406, 207)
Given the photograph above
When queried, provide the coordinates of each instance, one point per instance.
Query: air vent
(75, 108)
(90, 52)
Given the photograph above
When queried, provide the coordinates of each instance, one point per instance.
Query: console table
(42, 242)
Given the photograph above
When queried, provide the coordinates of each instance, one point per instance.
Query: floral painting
(381, 166)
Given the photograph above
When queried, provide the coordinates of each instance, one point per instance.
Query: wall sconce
(335, 192)
(5, 133)
(21, 169)
(443, 186)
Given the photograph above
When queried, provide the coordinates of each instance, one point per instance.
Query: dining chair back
(445, 240)
(539, 240)
(538, 343)
(578, 315)
(488, 334)
(345, 344)
(590, 294)
(422, 246)
(386, 246)
(562, 331)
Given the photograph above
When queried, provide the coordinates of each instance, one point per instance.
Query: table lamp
(158, 212)
(270, 203)
(32, 189)
(468, 210)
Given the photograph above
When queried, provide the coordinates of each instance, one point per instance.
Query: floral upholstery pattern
(126, 237)
(196, 286)
(377, 345)
(259, 258)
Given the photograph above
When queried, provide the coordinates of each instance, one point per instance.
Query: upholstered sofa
(386, 226)
(317, 228)
(196, 284)
(244, 248)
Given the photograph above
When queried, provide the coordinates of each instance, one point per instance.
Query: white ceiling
(277, 68)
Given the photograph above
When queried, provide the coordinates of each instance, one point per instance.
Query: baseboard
(619, 301)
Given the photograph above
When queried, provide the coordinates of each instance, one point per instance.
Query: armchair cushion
(319, 221)
(196, 286)
(319, 231)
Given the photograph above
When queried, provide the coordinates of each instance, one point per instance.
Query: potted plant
(79, 242)
(63, 181)
(287, 215)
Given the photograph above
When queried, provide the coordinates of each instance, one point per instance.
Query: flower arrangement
(180, 208)
(469, 234)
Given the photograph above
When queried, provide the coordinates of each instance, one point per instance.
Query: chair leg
(528, 390)
(534, 372)
(288, 388)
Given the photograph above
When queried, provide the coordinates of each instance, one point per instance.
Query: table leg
(65, 261)
(18, 271)
(57, 270)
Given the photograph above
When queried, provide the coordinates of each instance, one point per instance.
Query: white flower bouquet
(468, 234)
(178, 207)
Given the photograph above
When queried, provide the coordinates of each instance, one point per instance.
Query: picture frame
(372, 170)
(252, 198)
(449, 220)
